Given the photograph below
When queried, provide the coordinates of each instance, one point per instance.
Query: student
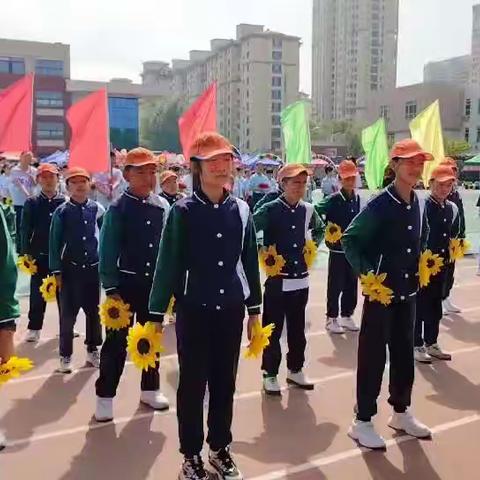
(73, 258)
(168, 182)
(443, 220)
(287, 223)
(338, 210)
(208, 260)
(387, 237)
(35, 227)
(9, 308)
(329, 184)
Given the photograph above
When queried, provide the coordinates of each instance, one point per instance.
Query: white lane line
(172, 411)
(357, 452)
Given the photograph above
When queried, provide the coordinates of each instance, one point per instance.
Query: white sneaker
(407, 423)
(65, 365)
(349, 324)
(420, 354)
(436, 352)
(299, 380)
(333, 326)
(271, 386)
(104, 409)
(32, 336)
(155, 399)
(364, 433)
(3, 440)
(93, 358)
(449, 307)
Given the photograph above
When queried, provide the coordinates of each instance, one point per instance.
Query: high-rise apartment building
(454, 71)
(354, 53)
(257, 75)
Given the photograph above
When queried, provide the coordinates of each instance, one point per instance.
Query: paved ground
(302, 436)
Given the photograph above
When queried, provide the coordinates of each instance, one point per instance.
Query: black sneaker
(192, 469)
(223, 463)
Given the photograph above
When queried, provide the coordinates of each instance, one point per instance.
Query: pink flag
(16, 111)
(200, 117)
(90, 142)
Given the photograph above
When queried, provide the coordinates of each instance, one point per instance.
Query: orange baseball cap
(47, 168)
(137, 157)
(450, 162)
(443, 173)
(347, 169)
(76, 172)
(210, 144)
(291, 170)
(165, 175)
(409, 148)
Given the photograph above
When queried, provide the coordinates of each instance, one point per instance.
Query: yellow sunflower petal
(144, 344)
(260, 339)
(270, 261)
(27, 265)
(13, 368)
(333, 233)
(48, 289)
(115, 314)
(170, 306)
(310, 253)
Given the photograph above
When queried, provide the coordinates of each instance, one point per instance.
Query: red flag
(90, 144)
(200, 117)
(16, 112)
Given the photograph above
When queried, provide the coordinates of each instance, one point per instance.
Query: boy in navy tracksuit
(208, 260)
(73, 258)
(129, 241)
(443, 220)
(338, 210)
(168, 182)
(34, 234)
(386, 238)
(287, 223)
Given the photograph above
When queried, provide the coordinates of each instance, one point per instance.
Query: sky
(111, 38)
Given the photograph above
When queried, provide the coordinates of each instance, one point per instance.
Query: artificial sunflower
(48, 289)
(27, 264)
(13, 368)
(466, 245)
(310, 253)
(429, 265)
(333, 233)
(373, 288)
(260, 339)
(8, 201)
(144, 344)
(271, 262)
(170, 306)
(455, 249)
(115, 314)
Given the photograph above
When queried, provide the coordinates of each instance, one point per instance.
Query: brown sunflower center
(49, 287)
(430, 263)
(270, 261)
(143, 346)
(114, 312)
(27, 264)
(333, 230)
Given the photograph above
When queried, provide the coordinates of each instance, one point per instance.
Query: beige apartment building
(354, 53)
(454, 71)
(257, 76)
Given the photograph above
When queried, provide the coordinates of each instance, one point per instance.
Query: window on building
(50, 130)
(276, 107)
(276, 145)
(277, 43)
(276, 68)
(49, 67)
(468, 106)
(276, 94)
(384, 111)
(49, 99)
(411, 109)
(467, 134)
(12, 65)
(276, 132)
(478, 134)
(276, 120)
(276, 55)
(276, 81)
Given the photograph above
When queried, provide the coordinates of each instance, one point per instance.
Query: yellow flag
(426, 129)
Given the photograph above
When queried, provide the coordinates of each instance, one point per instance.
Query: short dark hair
(328, 169)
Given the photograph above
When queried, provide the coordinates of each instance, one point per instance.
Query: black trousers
(18, 223)
(429, 313)
(382, 326)
(449, 279)
(80, 290)
(136, 293)
(37, 308)
(278, 307)
(208, 345)
(341, 281)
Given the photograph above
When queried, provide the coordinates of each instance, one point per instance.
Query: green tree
(454, 148)
(346, 131)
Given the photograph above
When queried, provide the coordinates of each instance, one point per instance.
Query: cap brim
(141, 164)
(294, 173)
(214, 153)
(78, 175)
(426, 156)
(166, 177)
(347, 175)
(445, 178)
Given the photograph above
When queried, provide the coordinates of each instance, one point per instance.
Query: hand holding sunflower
(333, 233)
(13, 368)
(260, 338)
(144, 344)
(48, 289)
(429, 265)
(27, 264)
(455, 249)
(115, 313)
(310, 253)
(373, 288)
(270, 261)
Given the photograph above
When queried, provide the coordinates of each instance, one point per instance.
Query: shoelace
(224, 456)
(194, 466)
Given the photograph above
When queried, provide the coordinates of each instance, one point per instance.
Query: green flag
(296, 133)
(374, 142)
